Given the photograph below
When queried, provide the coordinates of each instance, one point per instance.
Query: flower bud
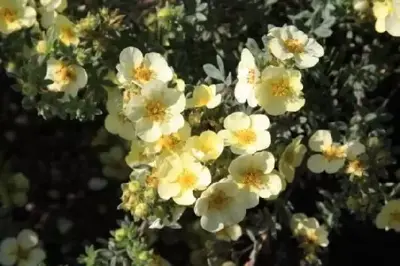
(41, 47)
(141, 210)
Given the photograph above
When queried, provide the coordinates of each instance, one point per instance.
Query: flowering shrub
(224, 156)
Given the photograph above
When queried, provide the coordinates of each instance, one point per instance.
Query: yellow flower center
(65, 74)
(355, 167)
(218, 200)
(251, 77)
(155, 110)
(252, 178)
(206, 146)
(8, 15)
(334, 152)
(246, 136)
(67, 34)
(169, 142)
(311, 236)
(187, 179)
(294, 46)
(280, 87)
(204, 100)
(142, 74)
(151, 181)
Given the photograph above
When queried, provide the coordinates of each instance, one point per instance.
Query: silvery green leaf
(228, 80)
(323, 32)
(271, 2)
(213, 72)
(252, 45)
(221, 65)
(201, 17)
(201, 7)
(369, 117)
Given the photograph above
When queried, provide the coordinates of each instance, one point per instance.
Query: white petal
(251, 99)
(314, 48)
(278, 50)
(263, 140)
(248, 199)
(334, 166)
(27, 239)
(355, 148)
(215, 101)
(319, 139)
(212, 222)
(393, 24)
(201, 206)
(305, 60)
(295, 104)
(260, 122)
(29, 16)
(316, 163)
(168, 190)
(148, 130)
(234, 214)
(159, 65)
(131, 57)
(242, 90)
(36, 255)
(8, 251)
(273, 187)
(172, 125)
(81, 76)
(237, 121)
(185, 199)
(264, 161)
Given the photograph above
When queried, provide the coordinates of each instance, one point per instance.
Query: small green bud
(134, 186)
(143, 256)
(150, 195)
(120, 234)
(141, 210)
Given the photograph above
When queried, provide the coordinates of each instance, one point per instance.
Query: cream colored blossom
(331, 156)
(248, 78)
(309, 230)
(387, 14)
(389, 216)
(138, 154)
(280, 90)
(229, 233)
(22, 250)
(116, 122)
(66, 31)
(172, 143)
(204, 95)
(355, 166)
(156, 111)
(291, 158)
(184, 175)
(15, 15)
(221, 205)
(254, 173)
(361, 5)
(133, 67)
(288, 42)
(207, 146)
(67, 78)
(246, 134)
(50, 10)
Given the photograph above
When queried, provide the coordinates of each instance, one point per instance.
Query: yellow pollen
(280, 87)
(355, 167)
(187, 180)
(204, 100)
(151, 181)
(65, 74)
(311, 236)
(206, 146)
(156, 111)
(67, 34)
(246, 136)
(294, 46)
(251, 77)
(252, 178)
(334, 152)
(8, 15)
(142, 74)
(218, 200)
(170, 142)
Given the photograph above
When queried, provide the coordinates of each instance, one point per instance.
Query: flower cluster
(309, 231)
(184, 156)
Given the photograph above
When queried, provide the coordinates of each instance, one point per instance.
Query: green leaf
(213, 72)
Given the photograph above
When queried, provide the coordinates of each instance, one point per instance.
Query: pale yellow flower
(229, 233)
(309, 230)
(221, 205)
(280, 90)
(207, 146)
(389, 216)
(387, 14)
(331, 156)
(156, 111)
(288, 42)
(134, 68)
(49, 11)
(15, 15)
(355, 165)
(204, 95)
(172, 143)
(254, 173)
(67, 78)
(184, 175)
(246, 134)
(248, 78)
(291, 158)
(66, 31)
(22, 250)
(138, 154)
(116, 122)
